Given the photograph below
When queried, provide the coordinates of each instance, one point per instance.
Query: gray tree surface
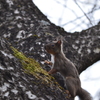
(25, 28)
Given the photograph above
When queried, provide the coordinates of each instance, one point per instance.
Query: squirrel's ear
(59, 42)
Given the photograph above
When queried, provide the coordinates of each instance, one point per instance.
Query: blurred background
(72, 15)
(76, 15)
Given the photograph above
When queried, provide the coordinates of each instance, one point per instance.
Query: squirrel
(67, 69)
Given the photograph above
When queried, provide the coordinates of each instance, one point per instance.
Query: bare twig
(83, 12)
(79, 17)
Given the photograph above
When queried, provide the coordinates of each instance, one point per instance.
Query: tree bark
(24, 26)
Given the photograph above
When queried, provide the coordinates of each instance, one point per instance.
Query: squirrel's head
(54, 47)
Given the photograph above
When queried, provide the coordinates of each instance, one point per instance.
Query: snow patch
(18, 17)
(6, 94)
(39, 43)
(97, 50)
(7, 35)
(4, 87)
(89, 51)
(77, 41)
(21, 34)
(29, 35)
(74, 46)
(10, 2)
(23, 87)
(79, 51)
(30, 95)
(16, 11)
(31, 25)
(7, 55)
(22, 43)
(2, 68)
(10, 68)
(14, 91)
(32, 48)
(19, 25)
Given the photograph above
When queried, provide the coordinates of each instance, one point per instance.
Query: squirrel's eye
(52, 45)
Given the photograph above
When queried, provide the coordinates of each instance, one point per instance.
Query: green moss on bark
(31, 66)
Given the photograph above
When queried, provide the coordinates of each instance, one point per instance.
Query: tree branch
(83, 12)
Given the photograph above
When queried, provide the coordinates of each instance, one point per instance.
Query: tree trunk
(25, 28)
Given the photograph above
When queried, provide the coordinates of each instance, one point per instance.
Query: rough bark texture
(28, 30)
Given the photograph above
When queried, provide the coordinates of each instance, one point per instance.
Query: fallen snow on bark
(10, 2)
(14, 91)
(7, 55)
(4, 87)
(30, 95)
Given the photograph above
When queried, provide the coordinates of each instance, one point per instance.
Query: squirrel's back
(65, 66)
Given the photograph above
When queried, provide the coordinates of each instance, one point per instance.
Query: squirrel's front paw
(47, 62)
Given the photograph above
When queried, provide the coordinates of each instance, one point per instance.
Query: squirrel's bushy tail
(84, 95)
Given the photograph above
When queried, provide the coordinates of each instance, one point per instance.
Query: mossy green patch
(31, 66)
